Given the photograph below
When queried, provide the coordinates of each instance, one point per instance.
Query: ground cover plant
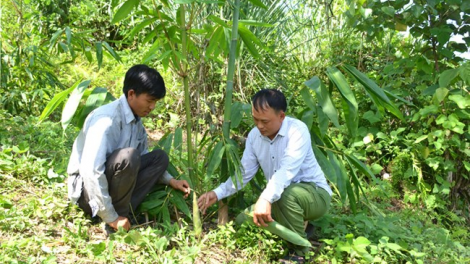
(380, 85)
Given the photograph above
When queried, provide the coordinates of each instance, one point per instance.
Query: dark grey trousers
(130, 178)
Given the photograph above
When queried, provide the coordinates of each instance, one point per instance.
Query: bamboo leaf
(364, 169)
(308, 99)
(178, 200)
(216, 158)
(111, 51)
(94, 100)
(68, 33)
(325, 164)
(247, 38)
(372, 88)
(324, 99)
(55, 102)
(72, 103)
(136, 29)
(341, 179)
(99, 53)
(124, 10)
(218, 21)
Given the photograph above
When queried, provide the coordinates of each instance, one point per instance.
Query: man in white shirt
(296, 188)
(110, 168)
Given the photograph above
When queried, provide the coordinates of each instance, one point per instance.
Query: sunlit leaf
(124, 10)
(72, 103)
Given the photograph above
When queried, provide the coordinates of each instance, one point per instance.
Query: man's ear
(130, 93)
(282, 114)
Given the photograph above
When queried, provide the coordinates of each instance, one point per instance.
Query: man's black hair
(143, 79)
(269, 98)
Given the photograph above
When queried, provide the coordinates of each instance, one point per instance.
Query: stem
(230, 73)
(187, 102)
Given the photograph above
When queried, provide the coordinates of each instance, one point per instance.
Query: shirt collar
(127, 111)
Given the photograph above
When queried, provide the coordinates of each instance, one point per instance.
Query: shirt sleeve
(294, 155)
(249, 167)
(100, 137)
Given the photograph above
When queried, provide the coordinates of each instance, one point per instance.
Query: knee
(161, 157)
(130, 159)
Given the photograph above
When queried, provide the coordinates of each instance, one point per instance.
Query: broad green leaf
(216, 158)
(99, 53)
(372, 117)
(124, 10)
(136, 29)
(372, 88)
(462, 102)
(389, 10)
(324, 99)
(94, 100)
(340, 183)
(421, 138)
(441, 94)
(111, 51)
(178, 200)
(349, 101)
(72, 103)
(68, 33)
(215, 41)
(218, 21)
(249, 39)
(323, 121)
(55, 102)
(308, 99)
(447, 77)
(325, 164)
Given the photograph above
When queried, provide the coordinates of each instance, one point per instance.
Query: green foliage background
(379, 83)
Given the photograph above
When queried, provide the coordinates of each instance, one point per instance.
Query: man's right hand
(121, 221)
(206, 200)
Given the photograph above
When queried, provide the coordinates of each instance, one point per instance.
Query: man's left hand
(262, 213)
(181, 185)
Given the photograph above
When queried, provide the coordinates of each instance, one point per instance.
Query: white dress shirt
(107, 128)
(286, 159)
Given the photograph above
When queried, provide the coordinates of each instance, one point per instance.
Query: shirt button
(273, 157)
(275, 170)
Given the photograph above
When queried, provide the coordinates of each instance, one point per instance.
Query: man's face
(141, 104)
(268, 121)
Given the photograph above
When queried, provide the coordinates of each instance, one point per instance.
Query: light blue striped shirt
(286, 159)
(107, 128)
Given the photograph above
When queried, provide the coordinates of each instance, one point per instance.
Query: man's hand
(206, 200)
(121, 221)
(181, 185)
(262, 212)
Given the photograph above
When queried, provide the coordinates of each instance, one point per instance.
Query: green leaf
(136, 29)
(258, 3)
(68, 33)
(308, 99)
(178, 200)
(364, 169)
(179, 2)
(218, 21)
(94, 100)
(389, 10)
(72, 103)
(55, 102)
(441, 94)
(349, 101)
(325, 164)
(249, 39)
(111, 51)
(124, 10)
(462, 102)
(216, 158)
(447, 77)
(324, 99)
(99, 53)
(178, 141)
(373, 89)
